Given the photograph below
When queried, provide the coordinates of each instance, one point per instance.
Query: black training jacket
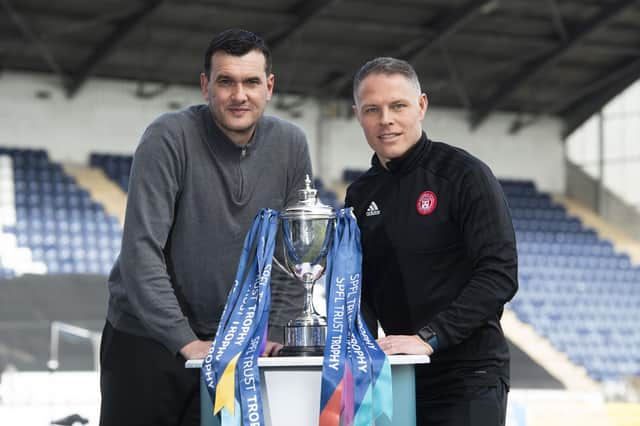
(439, 249)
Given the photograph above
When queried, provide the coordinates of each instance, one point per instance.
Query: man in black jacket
(439, 252)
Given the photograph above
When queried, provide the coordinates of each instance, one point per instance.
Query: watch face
(426, 333)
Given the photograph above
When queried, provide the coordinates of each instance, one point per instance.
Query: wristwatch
(429, 336)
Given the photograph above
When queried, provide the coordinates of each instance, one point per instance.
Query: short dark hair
(388, 66)
(236, 42)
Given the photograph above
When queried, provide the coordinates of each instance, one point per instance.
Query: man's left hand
(271, 348)
(404, 344)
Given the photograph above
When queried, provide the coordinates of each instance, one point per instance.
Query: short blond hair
(388, 66)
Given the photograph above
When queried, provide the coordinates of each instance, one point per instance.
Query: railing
(59, 329)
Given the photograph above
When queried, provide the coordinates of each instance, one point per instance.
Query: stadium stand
(349, 175)
(58, 227)
(116, 167)
(575, 290)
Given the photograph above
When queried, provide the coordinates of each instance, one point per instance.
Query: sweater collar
(408, 160)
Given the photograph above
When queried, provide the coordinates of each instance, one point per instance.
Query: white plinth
(291, 390)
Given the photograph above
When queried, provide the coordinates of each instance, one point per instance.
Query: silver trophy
(307, 232)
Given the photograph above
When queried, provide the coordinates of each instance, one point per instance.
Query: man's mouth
(388, 136)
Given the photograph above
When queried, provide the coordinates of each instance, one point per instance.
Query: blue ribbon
(360, 369)
(249, 383)
(381, 392)
(208, 371)
(333, 364)
(242, 329)
(373, 397)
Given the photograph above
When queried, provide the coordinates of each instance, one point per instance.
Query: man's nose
(239, 93)
(386, 117)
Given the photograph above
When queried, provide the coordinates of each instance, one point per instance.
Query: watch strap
(429, 336)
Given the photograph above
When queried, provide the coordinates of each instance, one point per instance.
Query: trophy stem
(308, 309)
(306, 335)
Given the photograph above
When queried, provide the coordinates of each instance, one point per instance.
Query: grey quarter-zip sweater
(192, 197)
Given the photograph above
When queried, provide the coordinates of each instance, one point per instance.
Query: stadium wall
(585, 189)
(107, 116)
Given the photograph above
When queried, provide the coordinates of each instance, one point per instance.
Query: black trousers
(142, 383)
(474, 406)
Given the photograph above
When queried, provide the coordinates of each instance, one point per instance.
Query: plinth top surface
(316, 361)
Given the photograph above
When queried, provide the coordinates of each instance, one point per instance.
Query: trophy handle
(353, 215)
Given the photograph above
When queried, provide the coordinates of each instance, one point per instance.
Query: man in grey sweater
(199, 177)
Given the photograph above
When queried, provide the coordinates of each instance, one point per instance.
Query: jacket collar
(408, 160)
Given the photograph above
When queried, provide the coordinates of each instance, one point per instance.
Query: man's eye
(224, 82)
(253, 82)
(398, 106)
(370, 109)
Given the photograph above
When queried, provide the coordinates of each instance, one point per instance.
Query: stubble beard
(243, 131)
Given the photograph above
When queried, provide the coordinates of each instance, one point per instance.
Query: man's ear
(271, 81)
(204, 86)
(423, 104)
(354, 107)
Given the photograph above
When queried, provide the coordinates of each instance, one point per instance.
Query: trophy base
(305, 337)
(302, 351)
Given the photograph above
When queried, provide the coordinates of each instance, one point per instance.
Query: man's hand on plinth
(198, 349)
(404, 344)
(271, 348)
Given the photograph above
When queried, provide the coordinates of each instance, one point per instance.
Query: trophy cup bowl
(307, 233)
